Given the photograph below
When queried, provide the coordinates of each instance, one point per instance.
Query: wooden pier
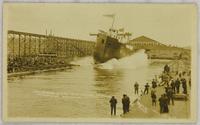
(29, 50)
(23, 44)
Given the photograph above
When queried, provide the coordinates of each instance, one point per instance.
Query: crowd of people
(21, 64)
(169, 81)
(171, 84)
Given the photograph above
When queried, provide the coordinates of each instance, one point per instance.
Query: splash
(138, 59)
(110, 64)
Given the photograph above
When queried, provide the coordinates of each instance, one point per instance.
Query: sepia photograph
(105, 62)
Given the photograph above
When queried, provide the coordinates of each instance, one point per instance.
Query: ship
(112, 44)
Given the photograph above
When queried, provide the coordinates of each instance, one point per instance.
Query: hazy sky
(169, 24)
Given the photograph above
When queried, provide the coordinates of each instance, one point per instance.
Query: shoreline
(40, 71)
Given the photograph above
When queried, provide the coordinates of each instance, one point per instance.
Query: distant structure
(157, 50)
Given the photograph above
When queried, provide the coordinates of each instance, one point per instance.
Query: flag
(109, 15)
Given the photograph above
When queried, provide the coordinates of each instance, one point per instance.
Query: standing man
(154, 84)
(146, 90)
(173, 86)
(136, 86)
(166, 68)
(177, 84)
(113, 103)
(184, 85)
(153, 97)
(189, 82)
(124, 104)
(170, 95)
(165, 104)
(127, 103)
(161, 103)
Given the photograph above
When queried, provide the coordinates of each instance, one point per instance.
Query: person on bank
(166, 69)
(113, 103)
(163, 102)
(154, 84)
(184, 85)
(173, 86)
(136, 87)
(146, 90)
(153, 97)
(189, 82)
(170, 95)
(128, 103)
(177, 85)
(125, 103)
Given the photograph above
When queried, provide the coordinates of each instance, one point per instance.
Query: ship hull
(108, 47)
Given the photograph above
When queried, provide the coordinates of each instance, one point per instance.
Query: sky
(173, 24)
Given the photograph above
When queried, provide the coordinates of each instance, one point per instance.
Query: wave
(138, 59)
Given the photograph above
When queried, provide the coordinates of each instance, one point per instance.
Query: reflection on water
(82, 91)
(107, 79)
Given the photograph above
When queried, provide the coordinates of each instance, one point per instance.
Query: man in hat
(113, 103)
(124, 104)
(136, 86)
(146, 90)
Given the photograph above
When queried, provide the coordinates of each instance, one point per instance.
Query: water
(82, 91)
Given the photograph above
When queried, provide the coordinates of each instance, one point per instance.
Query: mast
(112, 16)
(113, 21)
